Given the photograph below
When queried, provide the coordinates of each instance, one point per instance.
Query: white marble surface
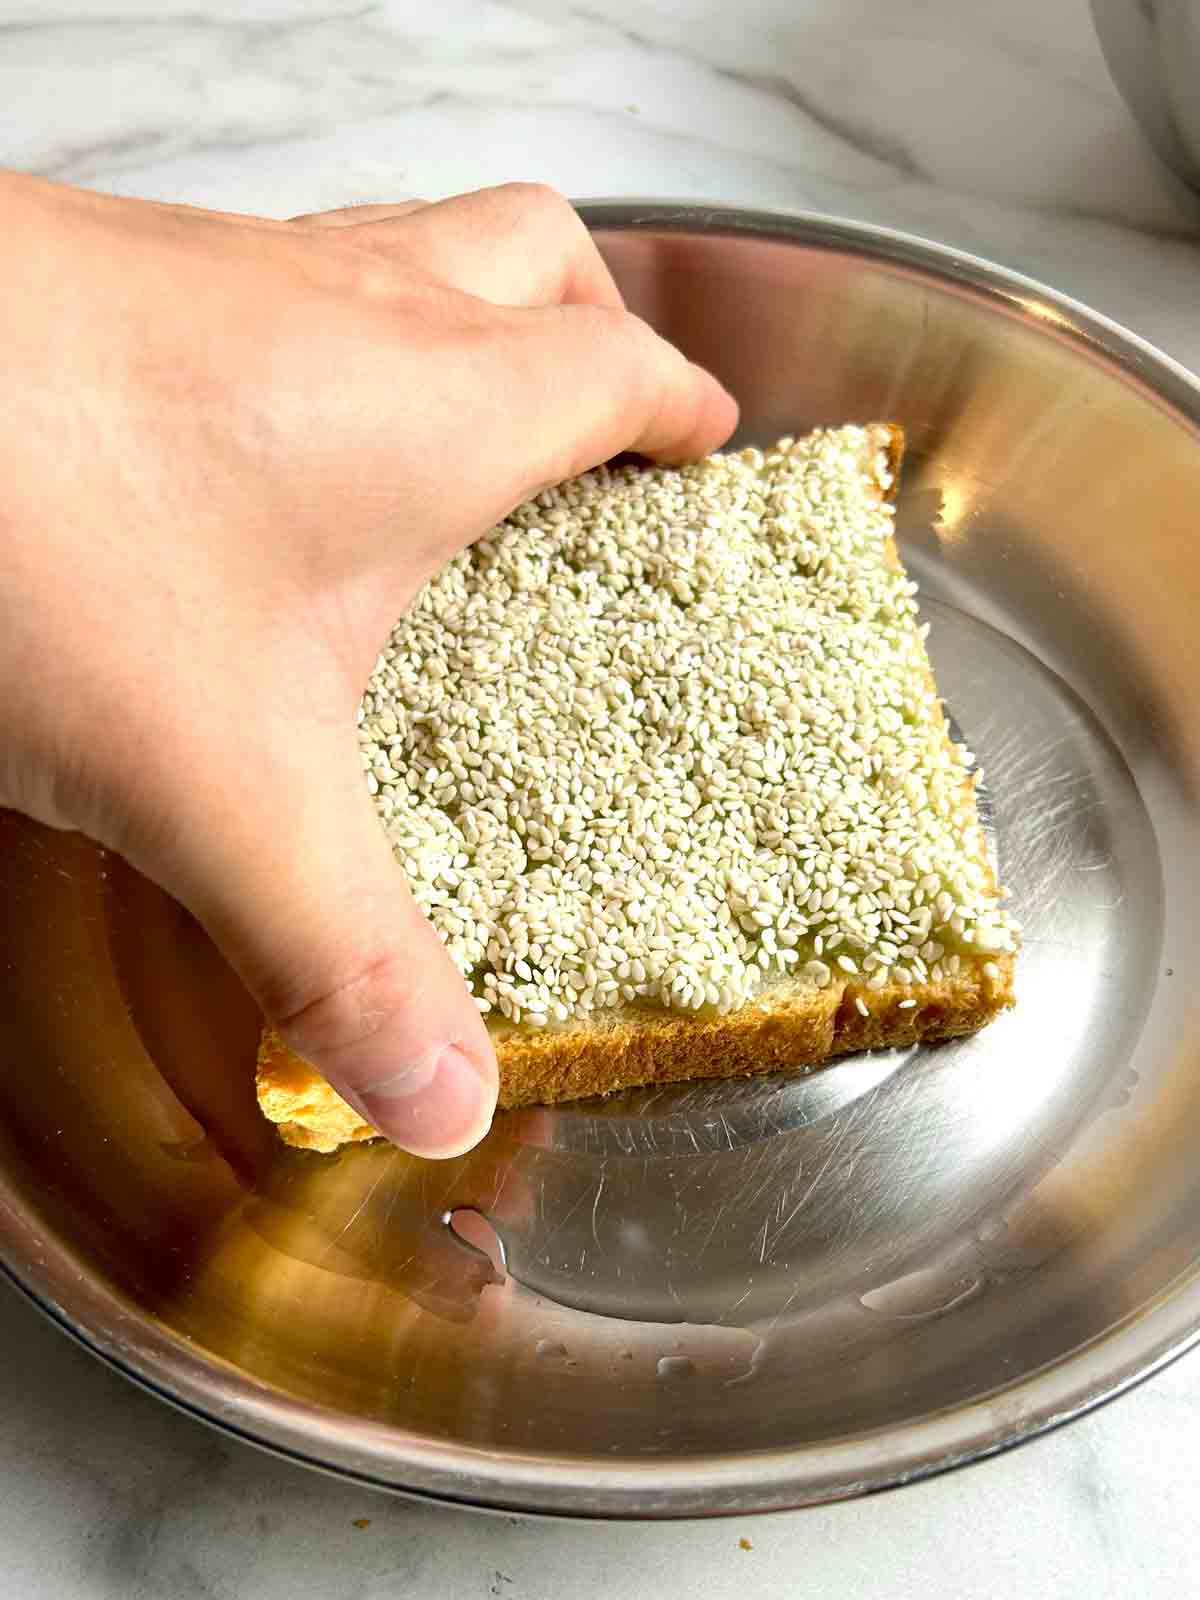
(991, 127)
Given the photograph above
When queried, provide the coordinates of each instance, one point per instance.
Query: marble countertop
(992, 128)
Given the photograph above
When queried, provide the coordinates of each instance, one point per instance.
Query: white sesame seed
(861, 1005)
(906, 1005)
(606, 781)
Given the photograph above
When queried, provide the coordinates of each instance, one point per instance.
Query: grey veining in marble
(991, 127)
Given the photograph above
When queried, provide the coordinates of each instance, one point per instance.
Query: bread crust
(794, 1028)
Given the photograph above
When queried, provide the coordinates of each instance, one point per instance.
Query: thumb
(307, 902)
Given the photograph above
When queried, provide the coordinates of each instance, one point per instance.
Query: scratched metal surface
(737, 1203)
(720, 1296)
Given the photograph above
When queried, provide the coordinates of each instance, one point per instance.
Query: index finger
(591, 382)
(522, 244)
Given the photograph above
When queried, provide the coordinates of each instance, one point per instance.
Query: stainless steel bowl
(1153, 52)
(739, 1296)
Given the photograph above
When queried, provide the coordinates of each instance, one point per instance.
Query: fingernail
(440, 1108)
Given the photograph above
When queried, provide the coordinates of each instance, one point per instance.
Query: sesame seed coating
(669, 737)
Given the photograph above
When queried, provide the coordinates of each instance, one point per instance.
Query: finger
(90, 200)
(300, 891)
(593, 382)
(344, 216)
(522, 244)
(353, 216)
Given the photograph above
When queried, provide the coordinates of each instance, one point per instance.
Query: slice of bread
(663, 760)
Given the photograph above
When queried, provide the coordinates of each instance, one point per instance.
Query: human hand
(233, 451)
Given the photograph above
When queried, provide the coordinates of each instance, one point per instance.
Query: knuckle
(324, 1018)
(313, 219)
(376, 276)
(641, 359)
(540, 205)
(607, 325)
(541, 199)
